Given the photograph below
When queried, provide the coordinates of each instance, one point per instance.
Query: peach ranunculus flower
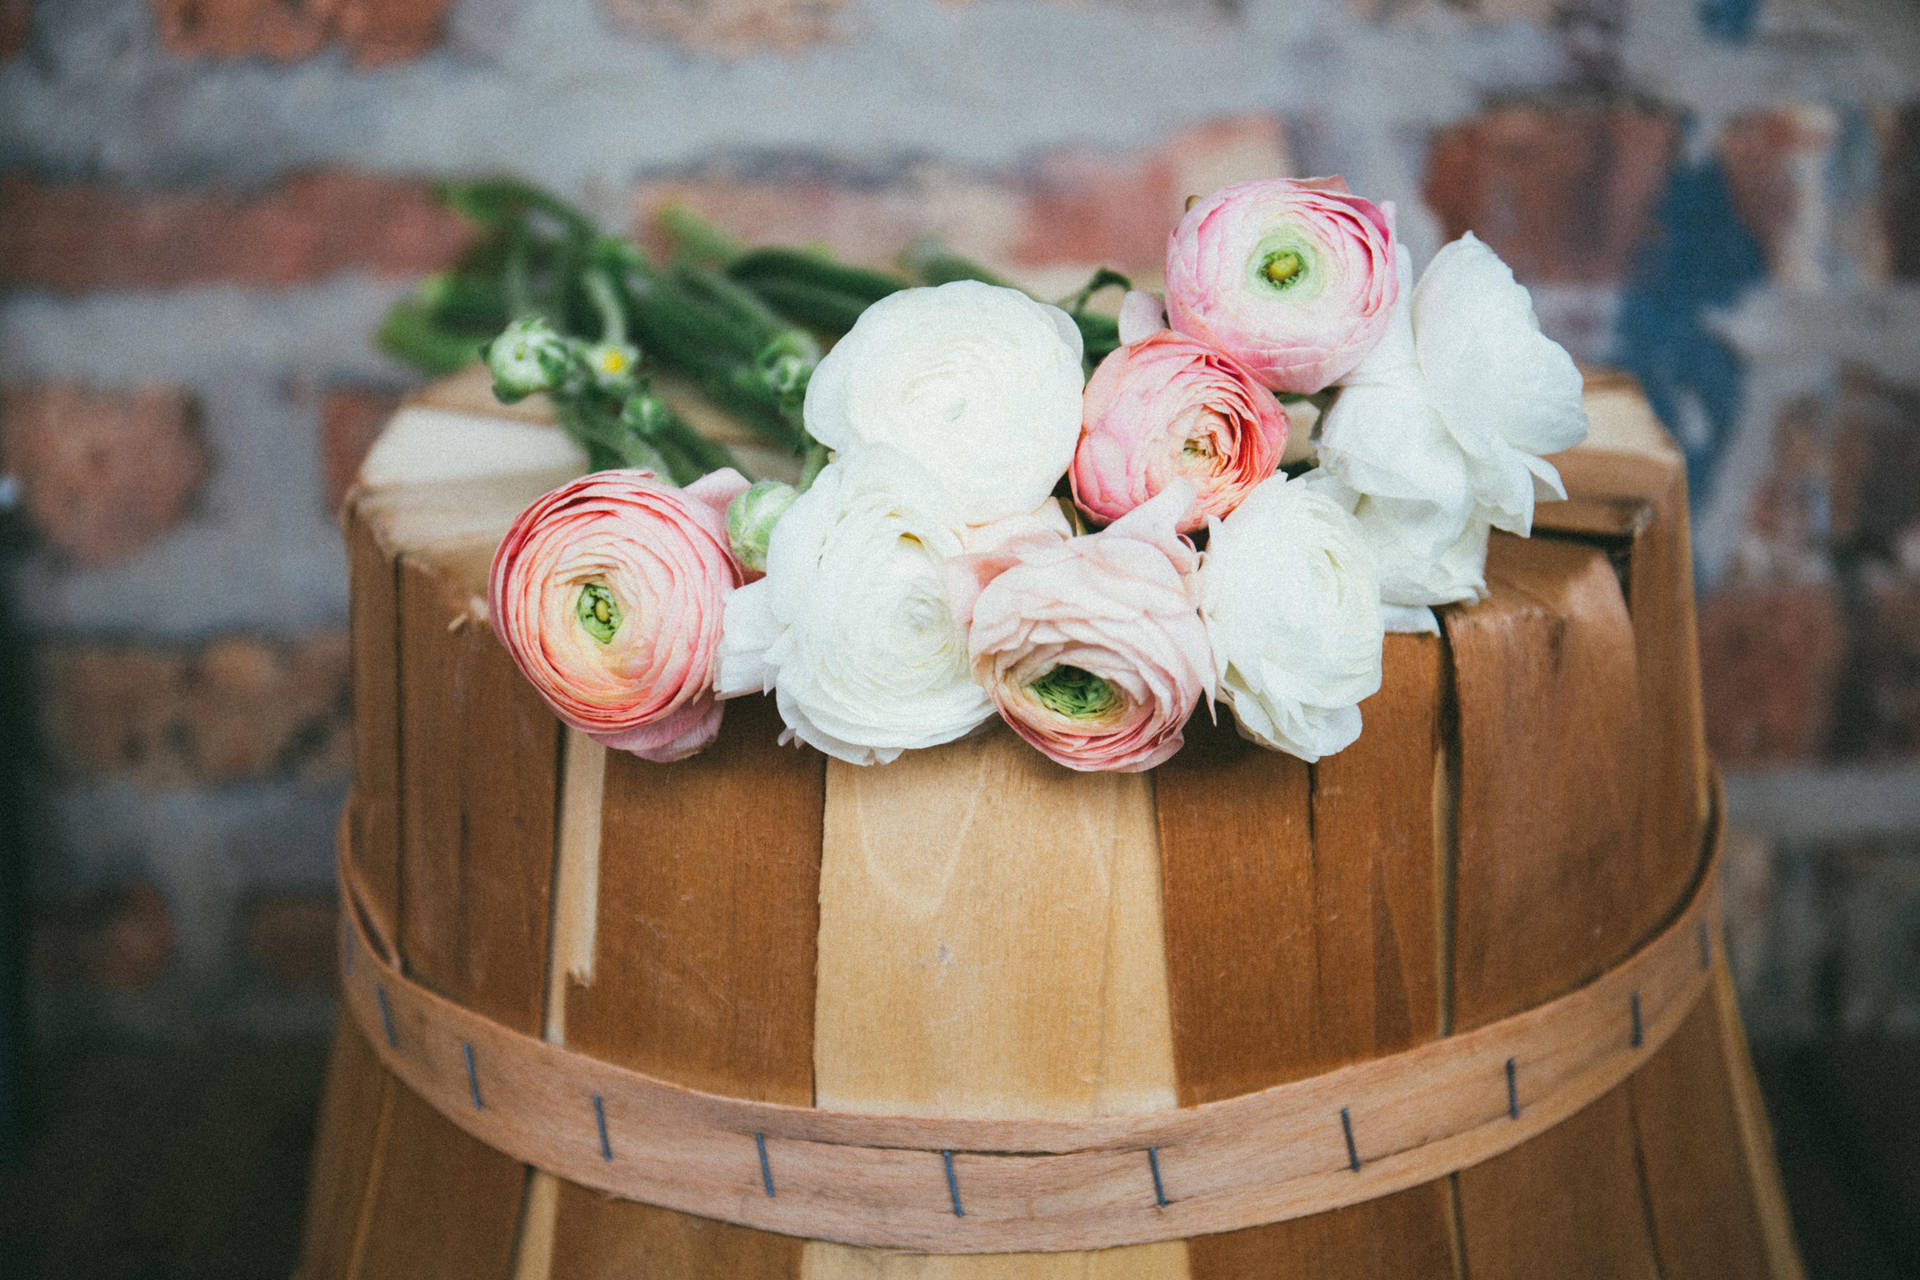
(1165, 407)
(609, 592)
(1296, 279)
(1092, 648)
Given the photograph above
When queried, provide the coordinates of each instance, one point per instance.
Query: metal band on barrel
(959, 1185)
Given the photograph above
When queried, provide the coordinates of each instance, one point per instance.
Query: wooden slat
(1549, 729)
(373, 621)
(351, 1109)
(991, 945)
(1673, 760)
(1698, 1184)
(1706, 1221)
(1339, 892)
(703, 970)
(479, 760)
(1756, 1135)
(356, 1117)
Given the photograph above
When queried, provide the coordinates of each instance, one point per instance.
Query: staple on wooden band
(600, 1119)
(1033, 1185)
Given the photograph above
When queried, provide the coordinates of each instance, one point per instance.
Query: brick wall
(206, 205)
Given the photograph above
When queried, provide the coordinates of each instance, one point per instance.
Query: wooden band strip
(941, 1185)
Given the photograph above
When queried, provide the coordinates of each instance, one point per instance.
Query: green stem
(694, 236)
(613, 316)
(814, 461)
(930, 261)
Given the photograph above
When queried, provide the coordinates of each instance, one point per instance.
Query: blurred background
(206, 206)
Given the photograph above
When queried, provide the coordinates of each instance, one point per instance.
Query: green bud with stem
(751, 518)
(529, 356)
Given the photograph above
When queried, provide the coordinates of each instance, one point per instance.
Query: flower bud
(750, 521)
(529, 356)
(612, 366)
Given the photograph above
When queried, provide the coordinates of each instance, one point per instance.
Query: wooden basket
(975, 932)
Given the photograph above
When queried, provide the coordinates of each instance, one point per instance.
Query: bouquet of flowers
(979, 527)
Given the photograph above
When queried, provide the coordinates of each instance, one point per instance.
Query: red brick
(1769, 664)
(1565, 195)
(118, 939)
(16, 20)
(102, 473)
(733, 27)
(237, 709)
(1117, 210)
(78, 236)
(374, 31)
(292, 938)
(1777, 163)
(1063, 214)
(351, 419)
(384, 31)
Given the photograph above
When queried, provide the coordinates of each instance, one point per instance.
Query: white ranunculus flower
(851, 628)
(1424, 556)
(1291, 598)
(1440, 428)
(978, 384)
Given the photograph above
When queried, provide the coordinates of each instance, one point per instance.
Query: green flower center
(1286, 262)
(1075, 694)
(598, 613)
(1282, 267)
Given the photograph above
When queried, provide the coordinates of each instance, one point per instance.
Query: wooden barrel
(973, 931)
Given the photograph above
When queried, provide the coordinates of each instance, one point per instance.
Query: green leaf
(409, 334)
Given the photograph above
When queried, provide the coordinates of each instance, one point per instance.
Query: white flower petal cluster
(851, 628)
(978, 384)
(1291, 599)
(1437, 434)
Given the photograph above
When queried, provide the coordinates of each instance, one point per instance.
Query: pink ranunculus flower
(1092, 648)
(1167, 407)
(1296, 279)
(609, 593)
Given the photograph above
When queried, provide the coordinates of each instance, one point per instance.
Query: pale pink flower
(1295, 279)
(1169, 407)
(1092, 648)
(609, 592)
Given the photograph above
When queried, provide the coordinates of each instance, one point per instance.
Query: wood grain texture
(991, 945)
(1550, 733)
(1756, 1134)
(373, 624)
(1349, 945)
(1673, 761)
(703, 970)
(352, 1107)
(479, 760)
(1698, 1186)
(1706, 1221)
(1034, 1184)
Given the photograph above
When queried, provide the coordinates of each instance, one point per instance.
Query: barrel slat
(1651, 482)
(1705, 1219)
(479, 758)
(1549, 731)
(1348, 966)
(1703, 1203)
(352, 1106)
(373, 624)
(358, 1092)
(991, 945)
(703, 971)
